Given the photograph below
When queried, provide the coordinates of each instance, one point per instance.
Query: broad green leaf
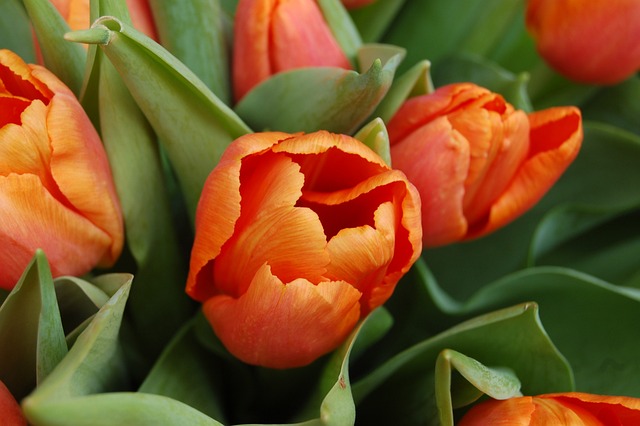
(341, 100)
(375, 136)
(548, 88)
(188, 373)
(342, 27)
(78, 300)
(434, 29)
(604, 177)
(369, 53)
(469, 68)
(31, 336)
(473, 380)
(64, 59)
(15, 30)
(616, 105)
(193, 32)
(373, 20)
(415, 82)
(193, 125)
(402, 390)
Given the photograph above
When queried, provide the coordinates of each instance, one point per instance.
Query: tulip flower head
(10, 412)
(590, 41)
(572, 408)
(56, 189)
(477, 162)
(272, 36)
(297, 238)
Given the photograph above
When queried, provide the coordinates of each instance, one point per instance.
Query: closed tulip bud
(56, 190)
(272, 36)
(10, 412)
(590, 41)
(297, 238)
(572, 408)
(477, 162)
(77, 15)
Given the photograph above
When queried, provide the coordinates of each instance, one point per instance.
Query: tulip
(590, 41)
(10, 412)
(477, 162)
(297, 238)
(56, 190)
(572, 408)
(272, 36)
(77, 15)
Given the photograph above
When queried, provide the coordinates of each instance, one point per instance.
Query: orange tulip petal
(17, 78)
(609, 410)
(10, 412)
(284, 326)
(30, 218)
(555, 139)
(79, 162)
(509, 412)
(435, 159)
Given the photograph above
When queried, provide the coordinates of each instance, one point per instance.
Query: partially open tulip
(271, 36)
(56, 190)
(297, 238)
(477, 162)
(76, 14)
(590, 41)
(10, 412)
(572, 408)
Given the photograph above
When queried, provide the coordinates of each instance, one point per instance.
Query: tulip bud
(10, 413)
(271, 36)
(571, 408)
(297, 238)
(477, 162)
(590, 41)
(56, 189)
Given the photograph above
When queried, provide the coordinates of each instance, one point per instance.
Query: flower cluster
(241, 211)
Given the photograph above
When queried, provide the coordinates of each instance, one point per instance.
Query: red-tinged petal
(552, 412)
(415, 113)
(142, 18)
(12, 109)
(10, 412)
(80, 167)
(435, 159)
(219, 209)
(17, 78)
(284, 326)
(555, 139)
(30, 218)
(610, 410)
(509, 412)
(251, 61)
(300, 37)
(513, 149)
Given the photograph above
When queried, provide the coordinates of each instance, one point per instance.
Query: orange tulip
(297, 238)
(477, 162)
(590, 41)
(271, 36)
(56, 190)
(572, 408)
(10, 412)
(76, 13)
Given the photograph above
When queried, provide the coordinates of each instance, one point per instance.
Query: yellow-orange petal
(10, 412)
(30, 218)
(18, 80)
(280, 325)
(555, 139)
(435, 159)
(79, 162)
(219, 209)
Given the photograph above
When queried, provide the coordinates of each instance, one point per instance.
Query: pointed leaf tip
(95, 35)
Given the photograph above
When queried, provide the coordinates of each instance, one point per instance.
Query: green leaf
(31, 333)
(373, 20)
(375, 136)
(193, 125)
(342, 27)
(15, 30)
(341, 100)
(194, 33)
(78, 300)
(479, 379)
(64, 59)
(402, 390)
(548, 89)
(415, 82)
(616, 105)
(469, 68)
